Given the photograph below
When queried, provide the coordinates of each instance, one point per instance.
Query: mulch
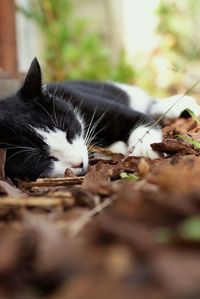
(129, 229)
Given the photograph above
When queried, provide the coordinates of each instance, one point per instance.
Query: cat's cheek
(58, 169)
(140, 140)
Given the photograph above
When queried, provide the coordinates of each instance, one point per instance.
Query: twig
(42, 202)
(79, 224)
(52, 182)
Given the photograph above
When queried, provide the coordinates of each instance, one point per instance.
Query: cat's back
(90, 90)
(102, 93)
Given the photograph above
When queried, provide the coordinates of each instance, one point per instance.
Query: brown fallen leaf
(13, 191)
(143, 167)
(69, 173)
(179, 270)
(83, 197)
(179, 126)
(194, 134)
(173, 146)
(99, 173)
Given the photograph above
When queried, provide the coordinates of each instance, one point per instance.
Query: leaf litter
(129, 229)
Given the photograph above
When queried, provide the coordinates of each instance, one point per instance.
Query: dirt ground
(129, 229)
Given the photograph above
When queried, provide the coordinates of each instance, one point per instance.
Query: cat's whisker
(62, 121)
(94, 136)
(38, 161)
(89, 126)
(12, 146)
(91, 136)
(64, 118)
(35, 146)
(24, 162)
(18, 152)
(46, 112)
(90, 146)
(91, 131)
(54, 111)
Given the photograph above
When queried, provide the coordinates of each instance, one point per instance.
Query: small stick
(51, 182)
(42, 202)
(79, 224)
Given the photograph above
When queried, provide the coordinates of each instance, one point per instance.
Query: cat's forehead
(57, 139)
(53, 138)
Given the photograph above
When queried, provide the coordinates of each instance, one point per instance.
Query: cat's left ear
(32, 87)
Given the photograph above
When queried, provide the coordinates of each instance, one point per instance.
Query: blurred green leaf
(189, 140)
(73, 50)
(163, 234)
(191, 113)
(190, 228)
(129, 176)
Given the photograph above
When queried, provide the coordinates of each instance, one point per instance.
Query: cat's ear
(32, 87)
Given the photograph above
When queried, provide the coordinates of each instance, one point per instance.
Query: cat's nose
(77, 165)
(79, 168)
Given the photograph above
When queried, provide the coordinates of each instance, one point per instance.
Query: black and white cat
(48, 128)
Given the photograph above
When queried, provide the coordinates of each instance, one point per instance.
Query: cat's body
(47, 129)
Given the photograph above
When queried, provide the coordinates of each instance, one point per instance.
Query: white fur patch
(140, 140)
(68, 155)
(118, 147)
(138, 99)
(185, 102)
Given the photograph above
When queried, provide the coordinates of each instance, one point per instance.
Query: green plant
(72, 49)
(189, 140)
(129, 176)
(196, 118)
(178, 23)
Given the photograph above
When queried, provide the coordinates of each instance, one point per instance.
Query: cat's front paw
(140, 140)
(119, 147)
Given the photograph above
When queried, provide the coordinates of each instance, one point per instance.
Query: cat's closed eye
(53, 158)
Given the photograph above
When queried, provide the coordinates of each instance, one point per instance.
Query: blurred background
(152, 43)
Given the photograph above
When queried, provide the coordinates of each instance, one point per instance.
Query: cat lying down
(48, 128)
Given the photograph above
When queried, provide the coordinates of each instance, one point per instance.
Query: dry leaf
(143, 167)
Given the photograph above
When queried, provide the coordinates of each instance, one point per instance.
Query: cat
(47, 128)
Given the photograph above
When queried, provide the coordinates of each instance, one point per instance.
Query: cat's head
(42, 132)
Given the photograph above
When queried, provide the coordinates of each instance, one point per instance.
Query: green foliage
(190, 228)
(189, 140)
(72, 49)
(191, 113)
(178, 27)
(129, 176)
(179, 21)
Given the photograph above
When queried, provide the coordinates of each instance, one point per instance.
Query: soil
(129, 229)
